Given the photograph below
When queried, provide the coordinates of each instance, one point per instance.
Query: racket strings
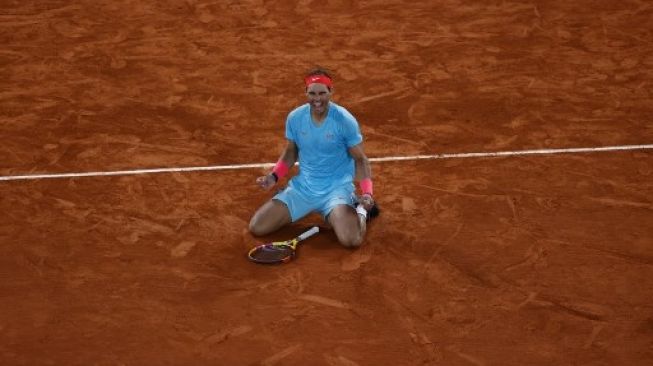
(271, 253)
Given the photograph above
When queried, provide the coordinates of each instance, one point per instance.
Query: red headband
(320, 79)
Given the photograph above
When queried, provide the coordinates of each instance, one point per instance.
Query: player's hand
(266, 182)
(367, 201)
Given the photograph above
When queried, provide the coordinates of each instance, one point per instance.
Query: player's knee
(351, 241)
(255, 227)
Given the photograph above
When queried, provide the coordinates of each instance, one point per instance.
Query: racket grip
(314, 230)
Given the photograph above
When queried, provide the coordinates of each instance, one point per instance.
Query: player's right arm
(286, 161)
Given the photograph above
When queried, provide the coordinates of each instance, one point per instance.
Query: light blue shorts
(299, 204)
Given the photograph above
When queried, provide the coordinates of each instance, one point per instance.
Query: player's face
(318, 97)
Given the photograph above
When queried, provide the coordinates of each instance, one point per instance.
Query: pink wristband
(281, 169)
(366, 186)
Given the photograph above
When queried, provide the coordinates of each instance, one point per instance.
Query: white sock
(361, 211)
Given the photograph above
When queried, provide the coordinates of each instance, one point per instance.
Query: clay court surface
(514, 260)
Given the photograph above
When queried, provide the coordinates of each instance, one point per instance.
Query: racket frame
(292, 244)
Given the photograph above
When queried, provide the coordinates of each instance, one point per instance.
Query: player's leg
(270, 217)
(348, 225)
(285, 207)
(338, 210)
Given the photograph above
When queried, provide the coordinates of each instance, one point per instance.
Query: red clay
(541, 260)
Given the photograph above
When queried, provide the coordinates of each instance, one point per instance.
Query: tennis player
(326, 140)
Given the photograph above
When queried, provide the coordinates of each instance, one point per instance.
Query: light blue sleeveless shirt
(324, 160)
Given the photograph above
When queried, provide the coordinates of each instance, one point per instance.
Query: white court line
(389, 158)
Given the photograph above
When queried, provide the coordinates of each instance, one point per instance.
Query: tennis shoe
(373, 212)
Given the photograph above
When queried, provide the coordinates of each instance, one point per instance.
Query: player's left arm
(354, 141)
(363, 168)
(363, 174)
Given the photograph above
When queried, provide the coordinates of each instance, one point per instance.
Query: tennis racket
(279, 251)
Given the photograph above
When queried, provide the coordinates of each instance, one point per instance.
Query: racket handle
(314, 230)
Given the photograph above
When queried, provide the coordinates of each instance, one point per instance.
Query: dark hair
(319, 70)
